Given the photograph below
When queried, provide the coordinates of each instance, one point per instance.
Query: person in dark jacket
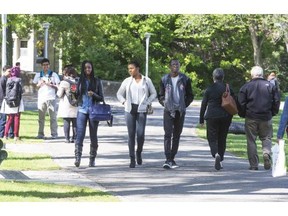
(89, 91)
(217, 118)
(175, 95)
(3, 80)
(258, 101)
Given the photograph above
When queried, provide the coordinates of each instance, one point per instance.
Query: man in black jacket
(259, 101)
(3, 81)
(175, 95)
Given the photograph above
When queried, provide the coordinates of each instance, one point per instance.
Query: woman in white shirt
(136, 93)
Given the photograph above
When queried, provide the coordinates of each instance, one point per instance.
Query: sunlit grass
(24, 191)
(25, 161)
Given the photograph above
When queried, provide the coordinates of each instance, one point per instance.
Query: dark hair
(218, 74)
(70, 71)
(6, 67)
(173, 60)
(17, 64)
(135, 63)
(45, 60)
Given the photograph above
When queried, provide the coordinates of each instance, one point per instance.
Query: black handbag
(101, 112)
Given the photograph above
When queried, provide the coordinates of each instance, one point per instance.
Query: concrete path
(195, 179)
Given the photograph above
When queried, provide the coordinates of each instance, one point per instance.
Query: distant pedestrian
(13, 110)
(258, 102)
(65, 110)
(217, 118)
(3, 80)
(136, 93)
(47, 82)
(89, 91)
(175, 95)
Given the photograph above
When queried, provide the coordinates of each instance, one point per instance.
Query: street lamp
(46, 28)
(147, 36)
(4, 39)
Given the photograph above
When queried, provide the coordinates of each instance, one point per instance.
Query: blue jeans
(136, 124)
(82, 120)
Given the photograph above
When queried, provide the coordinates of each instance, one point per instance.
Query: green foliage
(201, 42)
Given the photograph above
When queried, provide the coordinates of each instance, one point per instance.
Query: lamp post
(147, 36)
(46, 29)
(4, 39)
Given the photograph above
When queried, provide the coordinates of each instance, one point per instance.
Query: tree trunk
(256, 45)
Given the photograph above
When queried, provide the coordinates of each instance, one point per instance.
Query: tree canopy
(201, 43)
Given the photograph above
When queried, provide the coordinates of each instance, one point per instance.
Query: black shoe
(253, 168)
(92, 163)
(77, 161)
(217, 162)
(267, 161)
(132, 164)
(167, 165)
(67, 141)
(139, 158)
(173, 164)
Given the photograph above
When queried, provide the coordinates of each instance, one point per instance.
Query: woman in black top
(217, 119)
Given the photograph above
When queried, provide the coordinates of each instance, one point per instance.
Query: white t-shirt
(175, 89)
(46, 92)
(136, 91)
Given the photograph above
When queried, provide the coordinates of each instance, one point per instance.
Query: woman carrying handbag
(89, 91)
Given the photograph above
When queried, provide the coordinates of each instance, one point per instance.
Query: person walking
(258, 102)
(13, 110)
(66, 110)
(89, 91)
(217, 118)
(136, 93)
(282, 127)
(47, 83)
(3, 80)
(175, 95)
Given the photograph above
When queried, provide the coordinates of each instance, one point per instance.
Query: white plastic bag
(278, 159)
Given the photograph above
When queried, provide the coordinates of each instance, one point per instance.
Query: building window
(23, 48)
(23, 44)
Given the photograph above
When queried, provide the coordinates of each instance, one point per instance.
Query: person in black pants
(175, 95)
(217, 118)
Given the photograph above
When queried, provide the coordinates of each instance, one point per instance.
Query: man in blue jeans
(175, 95)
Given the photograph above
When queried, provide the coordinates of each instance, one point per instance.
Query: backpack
(13, 92)
(72, 95)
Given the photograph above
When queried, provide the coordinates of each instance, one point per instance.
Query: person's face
(133, 70)
(45, 66)
(174, 67)
(88, 69)
(8, 72)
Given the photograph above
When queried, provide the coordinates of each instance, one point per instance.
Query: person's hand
(90, 93)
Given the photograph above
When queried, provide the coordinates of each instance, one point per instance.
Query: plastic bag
(278, 159)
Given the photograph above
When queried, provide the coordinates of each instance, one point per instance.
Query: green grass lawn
(29, 128)
(31, 191)
(24, 191)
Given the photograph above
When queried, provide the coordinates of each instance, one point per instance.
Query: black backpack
(72, 94)
(13, 92)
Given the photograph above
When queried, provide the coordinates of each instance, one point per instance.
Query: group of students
(258, 101)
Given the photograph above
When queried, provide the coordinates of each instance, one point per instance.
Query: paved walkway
(195, 179)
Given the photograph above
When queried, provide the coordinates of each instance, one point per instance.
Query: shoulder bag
(228, 102)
